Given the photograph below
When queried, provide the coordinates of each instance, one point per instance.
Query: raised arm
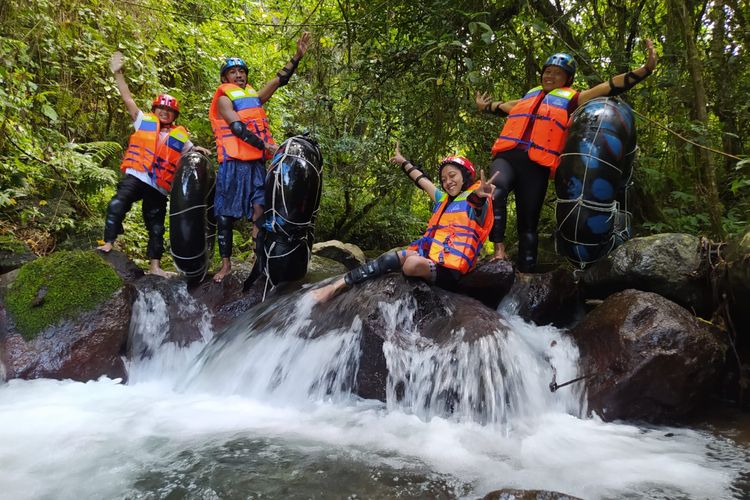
(485, 104)
(624, 82)
(414, 173)
(115, 65)
(285, 73)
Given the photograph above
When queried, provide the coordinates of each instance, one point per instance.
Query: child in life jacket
(450, 247)
(149, 166)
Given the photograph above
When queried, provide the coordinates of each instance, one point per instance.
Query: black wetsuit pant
(529, 181)
(154, 208)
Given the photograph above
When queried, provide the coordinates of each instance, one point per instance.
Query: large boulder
(672, 265)
(348, 254)
(489, 282)
(646, 358)
(64, 316)
(737, 258)
(81, 348)
(545, 298)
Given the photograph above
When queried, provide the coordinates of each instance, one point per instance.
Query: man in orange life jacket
(527, 152)
(149, 166)
(450, 247)
(243, 143)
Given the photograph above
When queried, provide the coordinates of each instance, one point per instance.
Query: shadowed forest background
(377, 72)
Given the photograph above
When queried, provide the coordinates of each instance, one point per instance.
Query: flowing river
(262, 411)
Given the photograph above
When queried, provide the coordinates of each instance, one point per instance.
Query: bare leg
(226, 266)
(106, 248)
(325, 293)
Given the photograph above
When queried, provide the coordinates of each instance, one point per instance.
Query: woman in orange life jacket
(450, 247)
(243, 144)
(149, 165)
(527, 151)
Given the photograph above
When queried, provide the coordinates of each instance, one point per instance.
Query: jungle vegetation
(378, 72)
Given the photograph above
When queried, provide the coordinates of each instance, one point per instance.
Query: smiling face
(236, 75)
(554, 77)
(165, 115)
(451, 179)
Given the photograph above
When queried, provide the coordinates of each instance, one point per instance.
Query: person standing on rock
(450, 247)
(243, 144)
(149, 166)
(527, 151)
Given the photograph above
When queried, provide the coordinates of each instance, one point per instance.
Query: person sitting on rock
(149, 166)
(450, 247)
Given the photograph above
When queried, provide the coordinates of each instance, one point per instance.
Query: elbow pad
(240, 130)
(285, 73)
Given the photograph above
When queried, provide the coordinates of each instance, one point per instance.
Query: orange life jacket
(548, 131)
(156, 155)
(248, 106)
(455, 234)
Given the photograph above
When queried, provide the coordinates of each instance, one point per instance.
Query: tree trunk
(684, 21)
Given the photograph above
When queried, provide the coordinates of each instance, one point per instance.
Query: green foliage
(75, 281)
(377, 73)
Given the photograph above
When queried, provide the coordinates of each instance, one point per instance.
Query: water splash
(274, 354)
(499, 378)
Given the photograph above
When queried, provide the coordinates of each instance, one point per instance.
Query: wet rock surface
(489, 282)
(670, 264)
(647, 358)
(85, 348)
(441, 317)
(548, 298)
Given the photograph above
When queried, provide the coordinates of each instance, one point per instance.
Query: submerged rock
(646, 358)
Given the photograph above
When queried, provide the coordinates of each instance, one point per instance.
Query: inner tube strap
(589, 155)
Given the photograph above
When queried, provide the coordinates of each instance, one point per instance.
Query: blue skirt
(239, 186)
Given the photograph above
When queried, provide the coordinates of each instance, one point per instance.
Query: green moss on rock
(75, 281)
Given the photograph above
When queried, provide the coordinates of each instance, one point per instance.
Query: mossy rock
(59, 286)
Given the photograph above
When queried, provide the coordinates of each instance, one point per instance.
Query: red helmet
(166, 101)
(460, 162)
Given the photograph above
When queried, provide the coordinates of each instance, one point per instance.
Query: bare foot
(155, 269)
(325, 293)
(106, 248)
(226, 266)
(499, 253)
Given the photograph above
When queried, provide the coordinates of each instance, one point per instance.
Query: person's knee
(117, 207)
(413, 266)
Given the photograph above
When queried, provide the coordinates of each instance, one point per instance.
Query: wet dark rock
(547, 298)
(511, 494)
(123, 266)
(348, 254)
(40, 294)
(671, 265)
(647, 358)
(440, 317)
(488, 282)
(13, 254)
(84, 348)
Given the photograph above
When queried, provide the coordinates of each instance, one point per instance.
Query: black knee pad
(116, 211)
(224, 225)
(378, 267)
(527, 248)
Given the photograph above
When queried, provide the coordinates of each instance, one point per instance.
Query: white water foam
(98, 440)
